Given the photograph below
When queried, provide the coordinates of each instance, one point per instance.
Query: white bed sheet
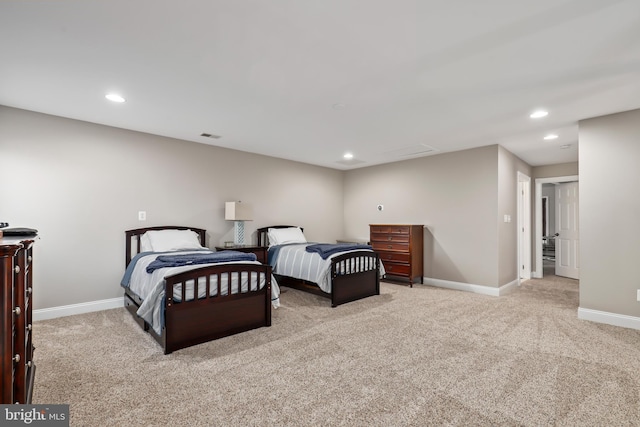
(150, 286)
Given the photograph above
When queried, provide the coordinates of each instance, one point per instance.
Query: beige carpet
(409, 357)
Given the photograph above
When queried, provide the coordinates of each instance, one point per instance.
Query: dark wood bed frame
(191, 322)
(363, 282)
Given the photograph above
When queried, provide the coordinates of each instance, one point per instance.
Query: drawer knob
(29, 258)
(29, 327)
(29, 290)
(17, 269)
(29, 363)
(389, 238)
(16, 358)
(17, 311)
(389, 246)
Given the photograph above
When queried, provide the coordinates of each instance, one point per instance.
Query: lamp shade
(236, 211)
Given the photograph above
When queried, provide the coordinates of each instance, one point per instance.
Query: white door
(567, 238)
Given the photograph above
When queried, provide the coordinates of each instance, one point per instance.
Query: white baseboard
(476, 289)
(85, 307)
(509, 287)
(609, 318)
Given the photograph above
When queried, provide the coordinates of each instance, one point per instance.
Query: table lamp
(239, 213)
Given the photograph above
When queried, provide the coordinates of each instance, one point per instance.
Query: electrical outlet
(142, 216)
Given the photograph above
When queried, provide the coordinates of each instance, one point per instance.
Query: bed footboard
(190, 321)
(238, 304)
(354, 275)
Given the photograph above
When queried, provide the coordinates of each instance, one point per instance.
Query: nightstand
(260, 251)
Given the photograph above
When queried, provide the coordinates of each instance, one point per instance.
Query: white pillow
(145, 243)
(281, 236)
(173, 240)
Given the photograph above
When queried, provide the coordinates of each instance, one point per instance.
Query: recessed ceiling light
(114, 97)
(348, 156)
(538, 114)
(551, 136)
(565, 146)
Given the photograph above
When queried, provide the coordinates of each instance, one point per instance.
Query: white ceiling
(267, 76)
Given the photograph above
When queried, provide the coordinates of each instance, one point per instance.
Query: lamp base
(238, 232)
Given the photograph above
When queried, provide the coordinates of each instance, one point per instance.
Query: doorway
(548, 229)
(545, 232)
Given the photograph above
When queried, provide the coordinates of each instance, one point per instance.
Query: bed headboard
(263, 240)
(134, 235)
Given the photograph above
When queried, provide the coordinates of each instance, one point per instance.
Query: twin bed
(350, 273)
(185, 305)
(184, 294)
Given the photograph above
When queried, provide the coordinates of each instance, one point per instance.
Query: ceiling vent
(414, 150)
(209, 135)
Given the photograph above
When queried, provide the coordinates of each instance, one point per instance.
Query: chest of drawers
(401, 249)
(16, 350)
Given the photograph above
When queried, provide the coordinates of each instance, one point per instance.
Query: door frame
(524, 227)
(538, 273)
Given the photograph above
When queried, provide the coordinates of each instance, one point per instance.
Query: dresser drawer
(391, 229)
(396, 257)
(397, 269)
(379, 237)
(390, 246)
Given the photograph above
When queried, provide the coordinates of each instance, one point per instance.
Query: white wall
(82, 185)
(507, 186)
(610, 213)
(458, 198)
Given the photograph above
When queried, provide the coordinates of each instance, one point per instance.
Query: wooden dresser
(16, 350)
(401, 249)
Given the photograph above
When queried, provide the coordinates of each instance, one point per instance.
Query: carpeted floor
(409, 357)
